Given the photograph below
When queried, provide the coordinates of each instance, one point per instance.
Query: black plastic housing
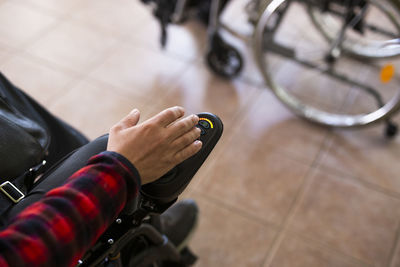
(172, 184)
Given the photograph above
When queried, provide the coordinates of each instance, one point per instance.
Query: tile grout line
(284, 229)
(240, 118)
(308, 178)
(62, 18)
(57, 21)
(47, 10)
(396, 245)
(292, 211)
(327, 247)
(81, 77)
(240, 213)
(347, 176)
(78, 76)
(337, 174)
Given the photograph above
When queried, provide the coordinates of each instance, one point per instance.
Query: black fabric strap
(5, 201)
(22, 183)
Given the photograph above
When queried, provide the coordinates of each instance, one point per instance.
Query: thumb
(131, 119)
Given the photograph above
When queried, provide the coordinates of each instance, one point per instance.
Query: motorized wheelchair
(55, 150)
(332, 62)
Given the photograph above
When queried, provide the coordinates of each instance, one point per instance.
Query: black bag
(31, 140)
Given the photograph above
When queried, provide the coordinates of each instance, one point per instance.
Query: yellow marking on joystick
(204, 119)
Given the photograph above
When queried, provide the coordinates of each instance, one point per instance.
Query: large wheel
(337, 90)
(379, 24)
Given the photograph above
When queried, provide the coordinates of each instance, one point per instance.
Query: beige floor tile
(53, 7)
(5, 53)
(121, 17)
(348, 217)
(137, 69)
(224, 238)
(270, 125)
(73, 45)
(187, 41)
(367, 155)
(44, 83)
(396, 257)
(198, 90)
(296, 252)
(93, 108)
(258, 182)
(20, 24)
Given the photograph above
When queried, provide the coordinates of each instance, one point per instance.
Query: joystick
(172, 184)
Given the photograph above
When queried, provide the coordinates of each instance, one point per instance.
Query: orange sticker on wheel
(387, 73)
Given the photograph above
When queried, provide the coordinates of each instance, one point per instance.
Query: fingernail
(197, 142)
(135, 110)
(181, 109)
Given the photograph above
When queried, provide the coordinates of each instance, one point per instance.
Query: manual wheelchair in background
(332, 62)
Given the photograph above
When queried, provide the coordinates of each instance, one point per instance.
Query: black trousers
(58, 174)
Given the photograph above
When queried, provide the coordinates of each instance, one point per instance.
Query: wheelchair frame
(261, 13)
(384, 112)
(129, 227)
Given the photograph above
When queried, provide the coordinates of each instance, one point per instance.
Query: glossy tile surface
(61, 7)
(94, 108)
(261, 183)
(367, 156)
(139, 69)
(73, 45)
(244, 243)
(20, 24)
(5, 52)
(353, 219)
(297, 252)
(396, 257)
(44, 81)
(198, 90)
(269, 125)
(120, 17)
(276, 191)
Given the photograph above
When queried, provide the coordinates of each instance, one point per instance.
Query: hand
(158, 144)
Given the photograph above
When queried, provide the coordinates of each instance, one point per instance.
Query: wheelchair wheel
(223, 59)
(380, 23)
(314, 79)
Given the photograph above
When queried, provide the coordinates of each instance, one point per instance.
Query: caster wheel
(225, 61)
(391, 130)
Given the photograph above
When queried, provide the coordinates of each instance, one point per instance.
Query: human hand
(158, 144)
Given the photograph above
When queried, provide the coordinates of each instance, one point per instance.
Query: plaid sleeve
(57, 230)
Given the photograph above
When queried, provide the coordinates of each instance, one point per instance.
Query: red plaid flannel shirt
(57, 230)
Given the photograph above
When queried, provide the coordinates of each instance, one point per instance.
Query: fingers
(187, 139)
(128, 121)
(188, 151)
(168, 116)
(183, 126)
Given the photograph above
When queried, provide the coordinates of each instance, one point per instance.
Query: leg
(58, 174)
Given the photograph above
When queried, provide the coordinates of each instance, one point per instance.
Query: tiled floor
(277, 191)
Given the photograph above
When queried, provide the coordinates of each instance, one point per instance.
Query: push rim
(303, 109)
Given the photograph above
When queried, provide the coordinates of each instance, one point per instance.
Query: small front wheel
(224, 60)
